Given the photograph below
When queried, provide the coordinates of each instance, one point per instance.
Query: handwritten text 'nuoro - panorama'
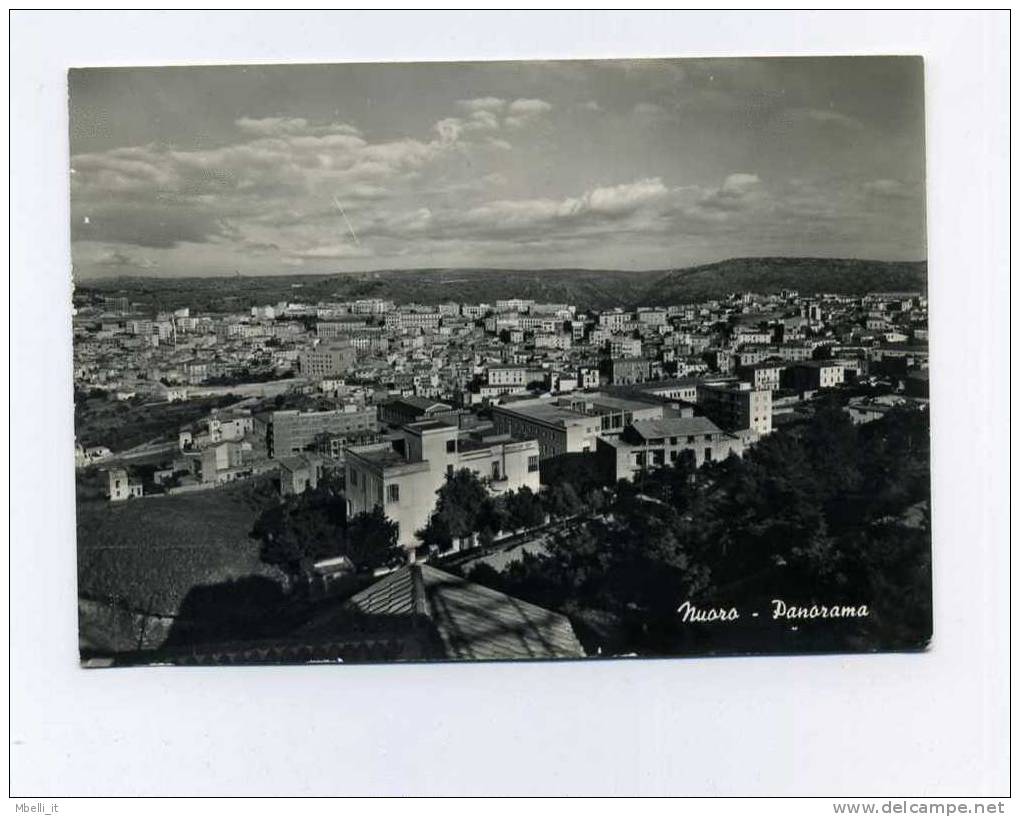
(780, 610)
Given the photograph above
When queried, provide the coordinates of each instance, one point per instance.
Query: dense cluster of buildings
(390, 399)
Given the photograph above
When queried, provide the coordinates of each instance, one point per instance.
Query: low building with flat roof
(299, 473)
(649, 444)
(570, 423)
(400, 411)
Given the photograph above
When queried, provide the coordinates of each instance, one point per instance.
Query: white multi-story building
(404, 482)
(406, 319)
(737, 406)
(514, 305)
(507, 376)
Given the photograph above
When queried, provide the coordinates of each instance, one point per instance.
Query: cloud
(452, 128)
(887, 189)
(332, 252)
(120, 260)
(648, 109)
(624, 198)
(527, 107)
(285, 126)
(597, 205)
(737, 192)
(272, 126)
(590, 105)
(485, 103)
(149, 225)
(521, 112)
(825, 116)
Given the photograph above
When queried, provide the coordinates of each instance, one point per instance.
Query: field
(121, 425)
(147, 554)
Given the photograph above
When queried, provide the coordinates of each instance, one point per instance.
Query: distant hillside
(844, 276)
(587, 289)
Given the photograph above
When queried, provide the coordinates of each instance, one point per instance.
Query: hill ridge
(585, 287)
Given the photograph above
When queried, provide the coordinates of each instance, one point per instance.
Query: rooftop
(544, 410)
(429, 425)
(420, 403)
(674, 427)
(384, 456)
(471, 621)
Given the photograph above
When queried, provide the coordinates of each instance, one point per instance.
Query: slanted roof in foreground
(471, 621)
(416, 613)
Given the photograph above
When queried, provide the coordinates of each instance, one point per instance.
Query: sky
(616, 164)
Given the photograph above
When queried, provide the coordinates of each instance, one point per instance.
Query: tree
(462, 503)
(301, 530)
(827, 513)
(524, 508)
(372, 541)
(561, 500)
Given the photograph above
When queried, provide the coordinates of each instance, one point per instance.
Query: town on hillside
(431, 453)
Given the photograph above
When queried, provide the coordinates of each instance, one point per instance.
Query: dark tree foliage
(524, 509)
(582, 470)
(825, 512)
(461, 503)
(562, 500)
(234, 610)
(371, 541)
(302, 529)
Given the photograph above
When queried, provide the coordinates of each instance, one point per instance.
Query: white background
(925, 724)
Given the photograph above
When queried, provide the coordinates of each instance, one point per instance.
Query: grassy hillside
(588, 289)
(148, 554)
(766, 275)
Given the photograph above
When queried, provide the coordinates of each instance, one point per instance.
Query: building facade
(328, 360)
(648, 444)
(403, 482)
(737, 406)
(291, 432)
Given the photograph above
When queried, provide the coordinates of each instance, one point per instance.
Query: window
(532, 464)
(393, 493)
(449, 470)
(708, 455)
(451, 446)
(672, 441)
(495, 470)
(354, 477)
(690, 438)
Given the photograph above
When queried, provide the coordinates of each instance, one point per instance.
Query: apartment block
(737, 406)
(293, 431)
(402, 477)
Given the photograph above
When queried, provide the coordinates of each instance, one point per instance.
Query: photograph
(494, 361)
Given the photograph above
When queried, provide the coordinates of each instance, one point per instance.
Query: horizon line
(478, 268)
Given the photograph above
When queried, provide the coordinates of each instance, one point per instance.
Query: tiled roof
(471, 621)
(674, 427)
(414, 613)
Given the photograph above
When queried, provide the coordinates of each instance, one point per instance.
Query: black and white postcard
(508, 360)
